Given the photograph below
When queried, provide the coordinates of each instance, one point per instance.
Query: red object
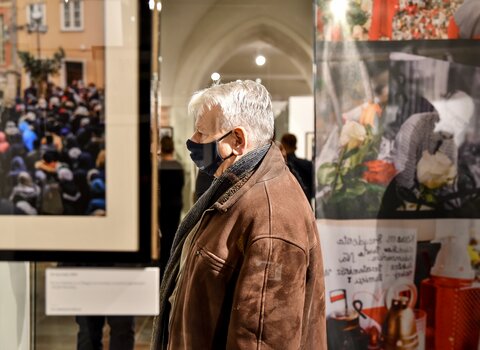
(453, 313)
(411, 9)
(336, 295)
(337, 33)
(383, 12)
(379, 172)
(453, 31)
(319, 21)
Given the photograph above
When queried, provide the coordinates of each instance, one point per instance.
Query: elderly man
(246, 267)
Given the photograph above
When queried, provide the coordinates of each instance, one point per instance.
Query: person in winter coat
(245, 269)
(25, 190)
(71, 196)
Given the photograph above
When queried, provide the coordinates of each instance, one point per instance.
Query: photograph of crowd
(361, 20)
(52, 152)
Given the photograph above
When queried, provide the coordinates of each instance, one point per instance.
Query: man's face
(207, 127)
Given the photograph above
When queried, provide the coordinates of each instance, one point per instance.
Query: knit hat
(65, 174)
(54, 101)
(40, 175)
(74, 152)
(84, 122)
(31, 116)
(25, 178)
(81, 111)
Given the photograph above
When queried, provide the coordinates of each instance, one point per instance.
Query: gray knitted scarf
(219, 186)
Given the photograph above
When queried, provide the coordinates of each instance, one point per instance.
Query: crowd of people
(52, 152)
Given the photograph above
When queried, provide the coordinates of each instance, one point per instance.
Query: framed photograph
(76, 174)
(397, 122)
(368, 95)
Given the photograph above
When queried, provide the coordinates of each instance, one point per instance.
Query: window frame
(44, 12)
(72, 27)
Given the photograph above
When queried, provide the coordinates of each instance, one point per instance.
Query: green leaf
(355, 189)
(326, 174)
(374, 188)
(338, 184)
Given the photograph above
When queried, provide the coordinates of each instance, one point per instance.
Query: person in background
(246, 268)
(302, 167)
(90, 328)
(171, 181)
(90, 333)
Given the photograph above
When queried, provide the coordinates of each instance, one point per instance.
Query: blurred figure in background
(302, 167)
(171, 181)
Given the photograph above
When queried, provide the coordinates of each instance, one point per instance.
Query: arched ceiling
(203, 36)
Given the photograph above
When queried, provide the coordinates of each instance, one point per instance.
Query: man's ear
(240, 142)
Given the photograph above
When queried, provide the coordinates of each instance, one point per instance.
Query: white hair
(243, 103)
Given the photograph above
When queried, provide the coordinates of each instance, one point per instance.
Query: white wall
(14, 306)
(300, 120)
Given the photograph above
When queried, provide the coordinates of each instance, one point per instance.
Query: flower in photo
(435, 170)
(353, 134)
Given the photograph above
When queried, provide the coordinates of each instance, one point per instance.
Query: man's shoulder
(281, 196)
(278, 209)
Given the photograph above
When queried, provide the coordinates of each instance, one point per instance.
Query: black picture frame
(144, 232)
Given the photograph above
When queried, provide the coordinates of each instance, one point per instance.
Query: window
(36, 17)
(72, 15)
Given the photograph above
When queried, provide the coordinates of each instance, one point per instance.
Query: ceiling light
(215, 76)
(159, 6)
(151, 4)
(260, 60)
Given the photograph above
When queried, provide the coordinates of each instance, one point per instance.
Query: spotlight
(260, 60)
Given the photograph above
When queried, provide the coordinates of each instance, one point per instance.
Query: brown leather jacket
(253, 277)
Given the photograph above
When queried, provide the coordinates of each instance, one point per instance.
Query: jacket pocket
(212, 261)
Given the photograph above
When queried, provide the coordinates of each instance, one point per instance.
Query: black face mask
(206, 156)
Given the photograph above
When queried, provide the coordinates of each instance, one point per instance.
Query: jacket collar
(270, 167)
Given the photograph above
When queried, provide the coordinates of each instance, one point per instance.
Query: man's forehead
(210, 118)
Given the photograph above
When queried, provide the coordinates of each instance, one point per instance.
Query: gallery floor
(60, 333)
